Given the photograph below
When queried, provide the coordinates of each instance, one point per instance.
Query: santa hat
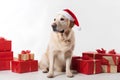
(70, 15)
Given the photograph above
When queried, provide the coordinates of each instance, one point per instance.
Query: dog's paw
(50, 75)
(45, 71)
(70, 75)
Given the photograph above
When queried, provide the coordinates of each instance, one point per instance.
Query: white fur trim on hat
(67, 15)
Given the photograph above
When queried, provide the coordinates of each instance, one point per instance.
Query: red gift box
(5, 45)
(6, 55)
(89, 66)
(20, 66)
(74, 62)
(24, 66)
(91, 55)
(5, 65)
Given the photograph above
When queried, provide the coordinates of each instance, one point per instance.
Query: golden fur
(59, 51)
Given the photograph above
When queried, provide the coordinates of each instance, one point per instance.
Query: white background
(28, 23)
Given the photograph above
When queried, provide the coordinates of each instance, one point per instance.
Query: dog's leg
(68, 63)
(51, 66)
(43, 64)
(68, 72)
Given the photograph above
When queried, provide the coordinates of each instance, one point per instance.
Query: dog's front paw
(50, 75)
(44, 70)
(69, 74)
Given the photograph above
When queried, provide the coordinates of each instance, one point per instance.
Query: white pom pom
(79, 28)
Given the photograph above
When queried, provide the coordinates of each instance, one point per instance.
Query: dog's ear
(71, 24)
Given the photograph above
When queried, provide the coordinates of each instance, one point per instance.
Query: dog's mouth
(62, 31)
(54, 29)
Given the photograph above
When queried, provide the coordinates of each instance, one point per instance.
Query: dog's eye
(62, 19)
(54, 19)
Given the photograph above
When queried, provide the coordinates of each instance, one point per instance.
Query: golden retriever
(60, 48)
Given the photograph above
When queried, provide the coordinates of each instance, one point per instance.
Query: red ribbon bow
(103, 51)
(112, 51)
(25, 52)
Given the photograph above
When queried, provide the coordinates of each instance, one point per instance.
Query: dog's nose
(54, 25)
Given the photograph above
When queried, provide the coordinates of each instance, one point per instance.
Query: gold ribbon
(94, 65)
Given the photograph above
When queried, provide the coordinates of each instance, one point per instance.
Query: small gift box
(110, 58)
(4, 65)
(26, 55)
(6, 55)
(109, 68)
(89, 66)
(5, 45)
(74, 62)
(91, 55)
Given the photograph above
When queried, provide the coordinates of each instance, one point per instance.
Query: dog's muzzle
(54, 27)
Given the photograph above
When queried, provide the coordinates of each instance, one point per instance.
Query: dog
(60, 48)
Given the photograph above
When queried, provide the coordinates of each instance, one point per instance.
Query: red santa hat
(70, 15)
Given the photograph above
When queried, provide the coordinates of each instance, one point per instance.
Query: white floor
(8, 75)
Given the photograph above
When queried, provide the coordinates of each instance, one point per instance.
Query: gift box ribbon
(109, 68)
(94, 70)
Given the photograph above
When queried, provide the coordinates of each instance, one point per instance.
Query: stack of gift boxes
(25, 63)
(6, 55)
(97, 62)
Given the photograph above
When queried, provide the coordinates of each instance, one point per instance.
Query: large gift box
(21, 66)
(5, 45)
(89, 66)
(109, 68)
(8, 55)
